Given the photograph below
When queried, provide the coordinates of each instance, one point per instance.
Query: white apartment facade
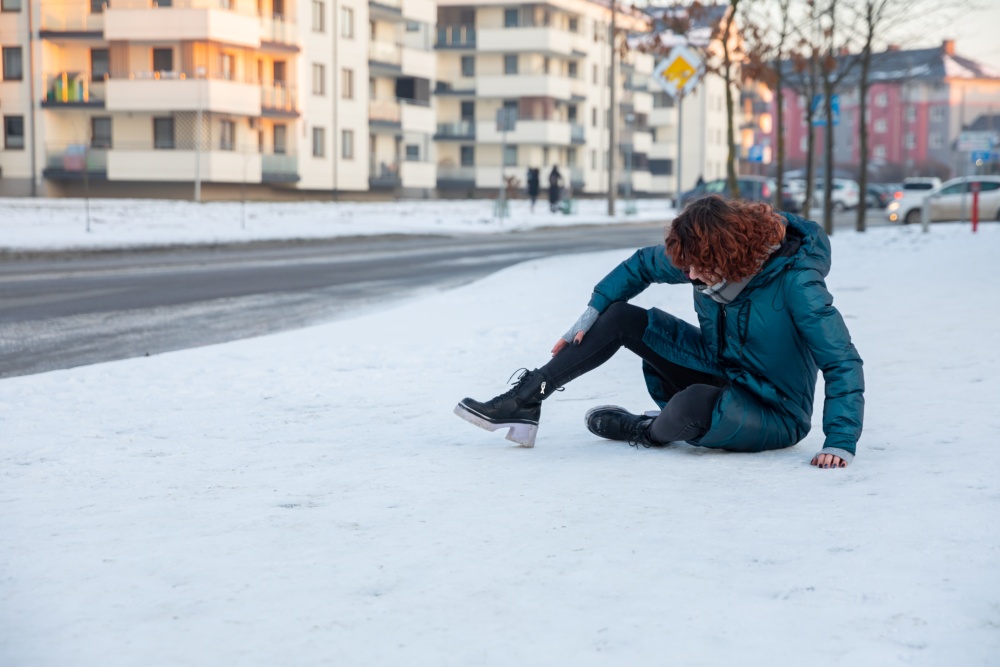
(289, 97)
(547, 63)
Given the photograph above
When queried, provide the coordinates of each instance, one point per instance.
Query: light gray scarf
(726, 291)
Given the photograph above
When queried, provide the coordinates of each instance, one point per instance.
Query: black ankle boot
(518, 409)
(615, 423)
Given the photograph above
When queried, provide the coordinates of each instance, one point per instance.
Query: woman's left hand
(828, 461)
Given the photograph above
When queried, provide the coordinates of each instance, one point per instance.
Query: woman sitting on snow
(745, 380)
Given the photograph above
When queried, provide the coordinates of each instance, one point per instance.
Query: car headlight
(893, 206)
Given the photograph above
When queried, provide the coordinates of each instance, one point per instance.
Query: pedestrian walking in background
(534, 185)
(555, 188)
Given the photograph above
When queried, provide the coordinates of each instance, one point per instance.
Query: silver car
(952, 200)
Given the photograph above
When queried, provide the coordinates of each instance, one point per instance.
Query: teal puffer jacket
(769, 343)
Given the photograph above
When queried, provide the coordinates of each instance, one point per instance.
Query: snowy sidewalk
(309, 499)
(61, 224)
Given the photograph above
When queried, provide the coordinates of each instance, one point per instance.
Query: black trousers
(692, 393)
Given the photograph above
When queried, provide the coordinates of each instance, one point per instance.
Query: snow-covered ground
(149, 222)
(309, 499)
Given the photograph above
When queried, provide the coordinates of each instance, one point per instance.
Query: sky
(974, 31)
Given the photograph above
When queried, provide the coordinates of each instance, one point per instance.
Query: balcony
(76, 162)
(279, 168)
(456, 177)
(279, 33)
(143, 163)
(182, 91)
(182, 20)
(383, 174)
(278, 101)
(385, 115)
(75, 21)
(385, 10)
(69, 90)
(529, 39)
(456, 37)
(385, 56)
(524, 85)
(417, 116)
(577, 134)
(460, 130)
(544, 132)
(417, 174)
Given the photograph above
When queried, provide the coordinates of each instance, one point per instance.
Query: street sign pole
(680, 135)
(678, 74)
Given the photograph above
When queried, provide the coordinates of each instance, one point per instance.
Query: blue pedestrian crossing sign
(819, 110)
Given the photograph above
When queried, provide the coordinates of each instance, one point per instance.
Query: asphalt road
(62, 311)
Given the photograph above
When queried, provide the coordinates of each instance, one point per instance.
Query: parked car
(878, 196)
(951, 200)
(846, 193)
(793, 194)
(752, 188)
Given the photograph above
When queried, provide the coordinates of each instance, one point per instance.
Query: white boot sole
(522, 434)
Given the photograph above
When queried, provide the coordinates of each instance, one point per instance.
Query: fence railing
(386, 111)
(278, 97)
(76, 158)
(462, 128)
(385, 52)
(278, 29)
(456, 35)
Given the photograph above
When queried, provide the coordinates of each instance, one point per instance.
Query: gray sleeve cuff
(845, 455)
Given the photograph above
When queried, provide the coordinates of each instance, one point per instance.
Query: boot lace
(637, 433)
(522, 375)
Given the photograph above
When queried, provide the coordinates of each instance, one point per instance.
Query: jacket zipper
(722, 329)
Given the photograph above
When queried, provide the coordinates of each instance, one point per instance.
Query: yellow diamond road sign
(679, 72)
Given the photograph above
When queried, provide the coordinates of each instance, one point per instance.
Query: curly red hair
(726, 238)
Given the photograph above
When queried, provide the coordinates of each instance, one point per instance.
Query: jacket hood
(814, 251)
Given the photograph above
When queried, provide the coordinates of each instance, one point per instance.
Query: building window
(347, 144)
(880, 152)
(319, 19)
(937, 113)
(593, 158)
(347, 84)
(937, 140)
(97, 6)
(468, 156)
(412, 153)
(347, 22)
(911, 140)
(12, 69)
(594, 75)
(100, 132)
(227, 135)
(804, 144)
(510, 18)
(911, 114)
(13, 133)
(319, 142)
(163, 133)
(468, 65)
(593, 117)
(881, 100)
(99, 64)
(510, 64)
(510, 156)
(319, 79)
(11, 5)
(571, 157)
(163, 60)
(573, 70)
(279, 134)
(468, 110)
(574, 24)
(881, 126)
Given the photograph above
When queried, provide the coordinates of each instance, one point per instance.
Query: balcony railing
(278, 97)
(456, 36)
(278, 29)
(577, 134)
(76, 159)
(458, 175)
(463, 129)
(228, 5)
(383, 173)
(393, 4)
(73, 88)
(384, 111)
(279, 168)
(382, 52)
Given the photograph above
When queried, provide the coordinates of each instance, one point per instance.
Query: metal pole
(86, 184)
(680, 108)
(197, 140)
(31, 94)
(612, 116)
(501, 201)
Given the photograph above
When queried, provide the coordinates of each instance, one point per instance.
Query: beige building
(289, 97)
(548, 64)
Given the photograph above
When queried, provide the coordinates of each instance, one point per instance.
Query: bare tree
(732, 50)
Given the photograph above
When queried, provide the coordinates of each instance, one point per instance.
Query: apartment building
(216, 98)
(548, 65)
